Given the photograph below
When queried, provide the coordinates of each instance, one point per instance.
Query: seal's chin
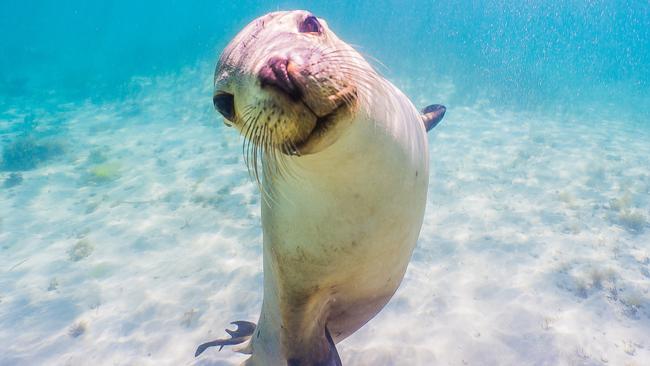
(308, 121)
(324, 133)
(310, 103)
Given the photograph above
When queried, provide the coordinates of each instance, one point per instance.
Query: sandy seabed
(141, 239)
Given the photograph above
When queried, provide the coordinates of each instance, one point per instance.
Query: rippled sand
(141, 239)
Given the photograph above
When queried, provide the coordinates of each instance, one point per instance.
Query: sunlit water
(130, 229)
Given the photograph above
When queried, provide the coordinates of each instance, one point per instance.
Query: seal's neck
(388, 127)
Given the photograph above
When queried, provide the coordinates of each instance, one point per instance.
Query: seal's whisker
(272, 166)
(253, 150)
(293, 147)
(270, 154)
(269, 160)
(248, 146)
(374, 60)
(248, 140)
(351, 57)
(266, 191)
(326, 116)
(357, 73)
(260, 151)
(263, 152)
(265, 157)
(347, 56)
(361, 77)
(361, 83)
(350, 65)
(266, 152)
(246, 130)
(341, 63)
(283, 158)
(254, 154)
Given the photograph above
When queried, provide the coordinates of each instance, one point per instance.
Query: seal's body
(345, 174)
(335, 254)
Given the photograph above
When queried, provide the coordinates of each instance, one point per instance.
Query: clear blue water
(129, 228)
(531, 53)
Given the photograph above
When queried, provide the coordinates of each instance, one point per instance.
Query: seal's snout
(275, 73)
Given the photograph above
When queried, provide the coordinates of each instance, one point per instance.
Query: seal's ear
(432, 115)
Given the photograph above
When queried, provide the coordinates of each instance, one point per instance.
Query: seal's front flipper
(432, 115)
(240, 335)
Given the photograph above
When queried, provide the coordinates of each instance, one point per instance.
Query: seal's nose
(275, 74)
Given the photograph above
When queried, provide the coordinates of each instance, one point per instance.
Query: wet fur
(342, 210)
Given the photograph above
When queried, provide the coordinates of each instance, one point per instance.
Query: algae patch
(626, 214)
(104, 172)
(101, 270)
(81, 250)
(632, 220)
(78, 329)
(54, 284)
(621, 203)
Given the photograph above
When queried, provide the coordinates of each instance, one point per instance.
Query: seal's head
(289, 84)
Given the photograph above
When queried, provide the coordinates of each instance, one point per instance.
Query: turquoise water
(532, 53)
(129, 228)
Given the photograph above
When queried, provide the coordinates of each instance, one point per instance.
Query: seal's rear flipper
(240, 335)
(331, 358)
(334, 359)
(432, 115)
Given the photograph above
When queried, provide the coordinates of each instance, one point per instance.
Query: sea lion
(341, 158)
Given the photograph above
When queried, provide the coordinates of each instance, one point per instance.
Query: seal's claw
(241, 334)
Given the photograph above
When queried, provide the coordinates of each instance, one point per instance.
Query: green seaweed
(105, 172)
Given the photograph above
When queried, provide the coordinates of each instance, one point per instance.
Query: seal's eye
(310, 25)
(224, 103)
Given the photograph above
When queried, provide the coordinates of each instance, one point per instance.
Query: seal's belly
(347, 237)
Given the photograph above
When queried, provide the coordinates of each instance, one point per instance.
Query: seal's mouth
(323, 124)
(285, 78)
